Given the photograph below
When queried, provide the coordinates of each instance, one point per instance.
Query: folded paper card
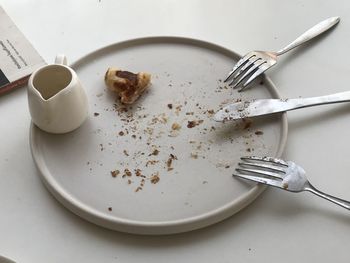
(18, 58)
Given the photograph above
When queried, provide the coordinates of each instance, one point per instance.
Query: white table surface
(34, 227)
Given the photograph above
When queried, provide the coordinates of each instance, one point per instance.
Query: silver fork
(255, 63)
(285, 175)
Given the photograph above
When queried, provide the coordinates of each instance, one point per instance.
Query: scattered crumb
(109, 208)
(178, 109)
(170, 161)
(176, 126)
(194, 123)
(259, 132)
(138, 172)
(151, 162)
(155, 178)
(155, 152)
(96, 114)
(115, 173)
(129, 181)
(121, 133)
(170, 106)
(126, 153)
(127, 172)
(138, 189)
(227, 166)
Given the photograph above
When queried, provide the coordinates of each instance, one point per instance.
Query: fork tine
(240, 63)
(259, 172)
(250, 71)
(261, 70)
(265, 159)
(269, 167)
(245, 67)
(262, 180)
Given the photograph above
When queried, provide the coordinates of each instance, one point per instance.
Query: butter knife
(260, 107)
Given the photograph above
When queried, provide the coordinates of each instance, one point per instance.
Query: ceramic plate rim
(163, 227)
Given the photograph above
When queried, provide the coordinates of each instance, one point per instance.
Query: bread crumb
(175, 126)
(115, 173)
(127, 172)
(138, 189)
(155, 178)
(194, 123)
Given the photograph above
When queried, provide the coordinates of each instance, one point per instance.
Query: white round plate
(5, 260)
(196, 189)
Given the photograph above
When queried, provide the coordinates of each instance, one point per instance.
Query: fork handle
(333, 199)
(310, 34)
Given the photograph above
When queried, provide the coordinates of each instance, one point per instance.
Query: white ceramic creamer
(57, 101)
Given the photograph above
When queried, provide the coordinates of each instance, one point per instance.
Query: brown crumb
(249, 150)
(96, 114)
(259, 132)
(109, 208)
(155, 152)
(151, 162)
(133, 136)
(169, 162)
(155, 178)
(126, 153)
(170, 106)
(178, 109)
(138, 189)
(127, 172)
(142, 182)
(175, 126)
(115, 173)
(129, 181)
(211, 112)
(172, 156)
(227, 166)
(121, 133)
(138, 172)
(192, 124)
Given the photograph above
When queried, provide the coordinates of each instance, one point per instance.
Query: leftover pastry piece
(128, 86)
